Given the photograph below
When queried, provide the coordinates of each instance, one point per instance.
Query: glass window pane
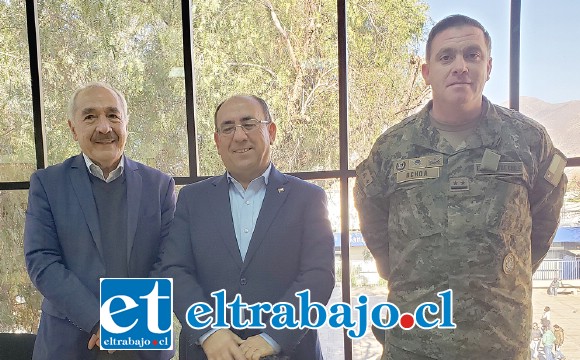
(549, 82)
(364, 280)
(283, 52)
(19, 300)
(332, 340)
(570, 216)
(135, 46)
(385, 83)
(17, 154)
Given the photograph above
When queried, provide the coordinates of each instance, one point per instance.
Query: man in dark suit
(252, 231)
(97, 214)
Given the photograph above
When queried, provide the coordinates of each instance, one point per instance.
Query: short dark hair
(261, 101)
(456, 20)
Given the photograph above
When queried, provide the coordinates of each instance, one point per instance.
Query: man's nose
(240, 133)
(460, 65)
(103, 125)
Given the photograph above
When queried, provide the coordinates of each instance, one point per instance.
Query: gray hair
(96, 84)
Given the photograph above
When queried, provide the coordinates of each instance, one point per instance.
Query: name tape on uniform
(504, 167)
(419, 163)
(417, 174)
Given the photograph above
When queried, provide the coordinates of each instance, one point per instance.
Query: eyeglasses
(248, 126)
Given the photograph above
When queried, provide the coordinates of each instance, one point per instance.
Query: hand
(223, 345)
(96, 340)
(255, 347)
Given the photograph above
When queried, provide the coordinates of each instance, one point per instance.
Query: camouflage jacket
(477, 220)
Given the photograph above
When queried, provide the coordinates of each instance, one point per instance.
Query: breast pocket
(505, 204)
(414, 212)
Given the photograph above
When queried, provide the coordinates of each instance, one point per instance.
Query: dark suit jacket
(63, 248)
(291, 249)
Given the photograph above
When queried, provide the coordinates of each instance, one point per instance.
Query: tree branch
(284, 34)
(261, 67)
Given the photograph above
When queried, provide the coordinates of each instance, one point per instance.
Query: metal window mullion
(36, 83)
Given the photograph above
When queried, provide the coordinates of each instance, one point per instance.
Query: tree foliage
(282, 50)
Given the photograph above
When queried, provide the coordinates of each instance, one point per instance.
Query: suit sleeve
(176, 260)
(546, 199)
(167, 211)
(45, 265)
(373, 211)
(316, 267)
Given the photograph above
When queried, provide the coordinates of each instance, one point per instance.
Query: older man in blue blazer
(97, 214)
(252, 231)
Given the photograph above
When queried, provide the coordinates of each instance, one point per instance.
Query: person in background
(548, 340)
(535, 342)
(559, 334)
(546, 318)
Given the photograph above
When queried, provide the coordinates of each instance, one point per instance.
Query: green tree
(282, 50)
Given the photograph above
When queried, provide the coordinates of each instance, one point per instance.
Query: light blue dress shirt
(245, 206)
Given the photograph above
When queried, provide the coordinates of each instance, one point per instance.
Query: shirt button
(246, 230)
(248, 202)
(243, 281)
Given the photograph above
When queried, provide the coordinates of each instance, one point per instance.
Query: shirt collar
(95, 170)
(265, 175)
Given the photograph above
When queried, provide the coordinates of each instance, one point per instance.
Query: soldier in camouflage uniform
(464, 195)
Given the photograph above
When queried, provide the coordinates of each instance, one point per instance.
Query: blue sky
(550, 45)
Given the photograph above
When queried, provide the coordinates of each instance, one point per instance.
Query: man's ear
(216, 140)
(72, 130)
(425, 73)
(489, 66)
(272, 132)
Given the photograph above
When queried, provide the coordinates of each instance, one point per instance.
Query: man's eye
(90, 117)
(249, 126)
(445, 58)
(227, 129)
(474, 56)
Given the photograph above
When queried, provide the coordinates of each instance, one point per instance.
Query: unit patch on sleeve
(555, 170)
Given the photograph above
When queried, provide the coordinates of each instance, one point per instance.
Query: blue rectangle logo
(136, 314)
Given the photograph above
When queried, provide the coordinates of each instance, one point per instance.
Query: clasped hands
(225, 345)
(95, 340)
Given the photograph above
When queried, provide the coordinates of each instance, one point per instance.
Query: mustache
(107, 137)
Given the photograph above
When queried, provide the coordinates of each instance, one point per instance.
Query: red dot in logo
(407, 321)
(154, 342)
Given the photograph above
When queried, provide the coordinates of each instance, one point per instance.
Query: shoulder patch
(555, 170)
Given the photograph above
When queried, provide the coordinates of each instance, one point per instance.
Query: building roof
(567, 234)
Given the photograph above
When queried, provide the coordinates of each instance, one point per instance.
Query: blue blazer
(291, 249)
(63, 248)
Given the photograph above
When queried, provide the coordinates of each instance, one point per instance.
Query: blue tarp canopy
(564, 234)
(356, 239)
(567, 234)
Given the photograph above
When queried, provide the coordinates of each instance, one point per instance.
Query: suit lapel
(82, 186)
(134, 188)
(223, 214)
(276, 192)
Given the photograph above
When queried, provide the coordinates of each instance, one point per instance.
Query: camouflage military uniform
(477, 220)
